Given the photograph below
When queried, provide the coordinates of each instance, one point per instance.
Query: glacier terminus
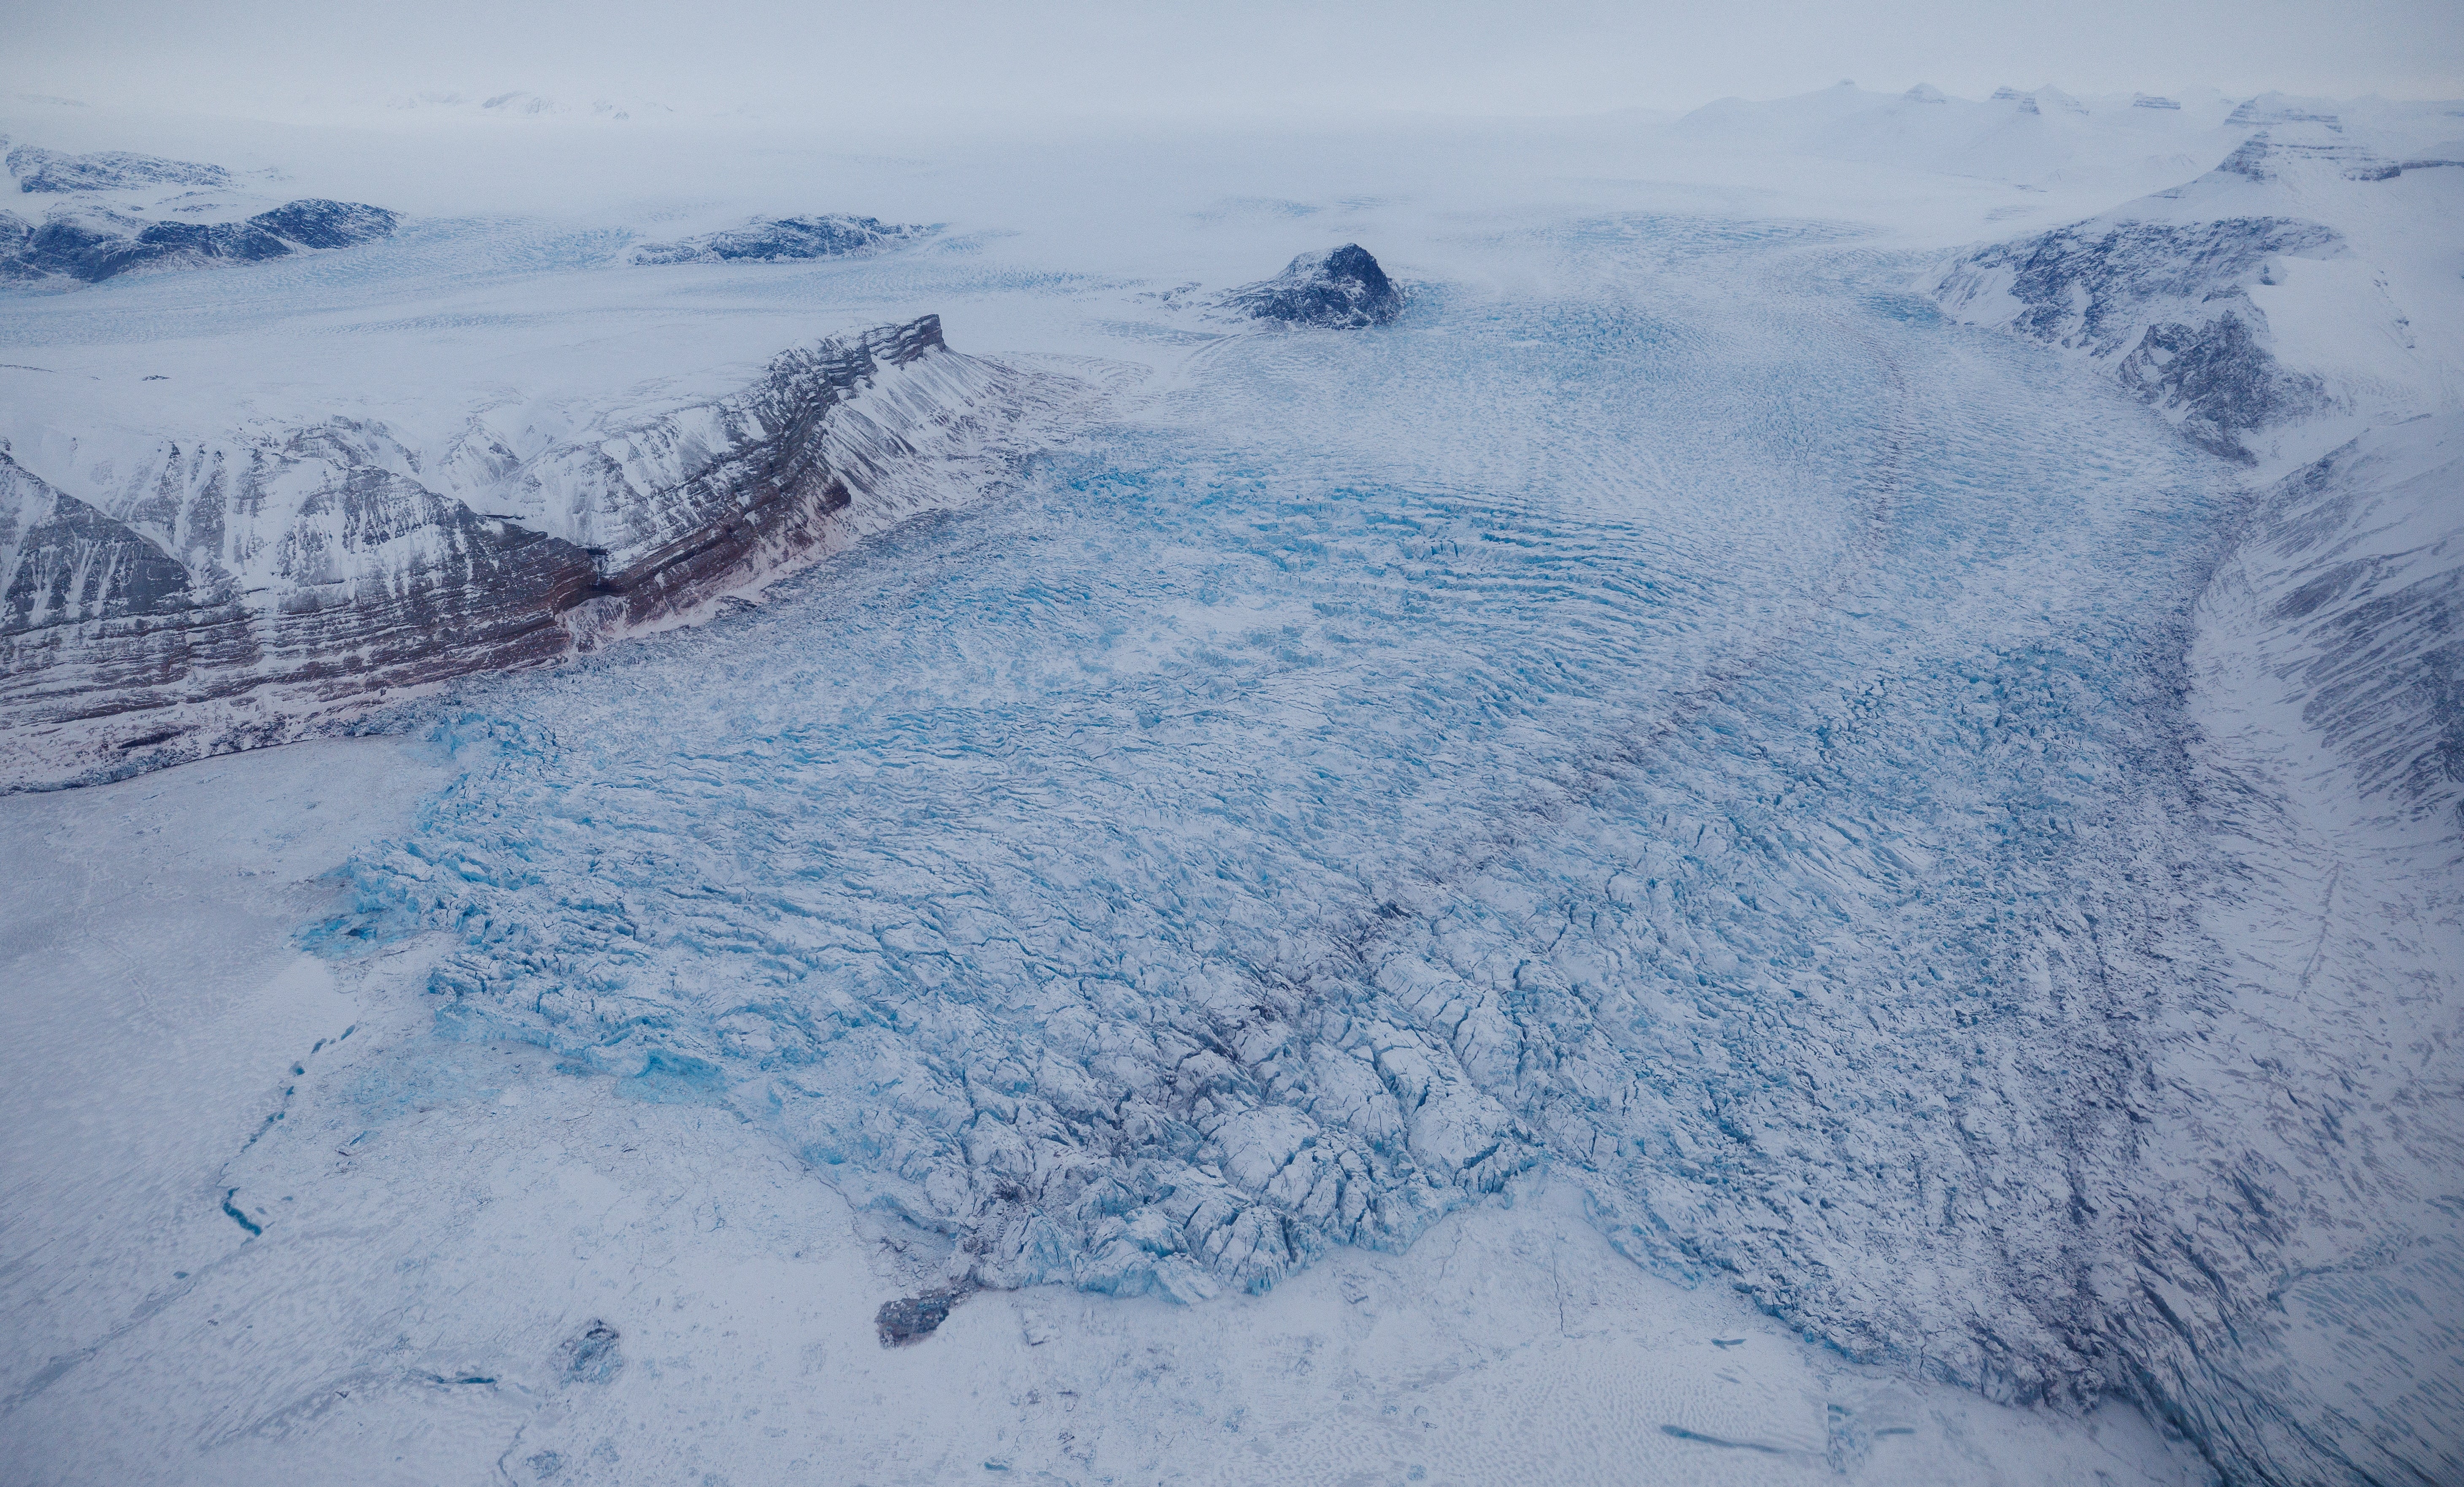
(1767, 796)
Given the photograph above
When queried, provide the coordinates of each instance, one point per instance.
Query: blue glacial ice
(1714, 733)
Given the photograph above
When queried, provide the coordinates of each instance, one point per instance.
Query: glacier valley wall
(226, 592)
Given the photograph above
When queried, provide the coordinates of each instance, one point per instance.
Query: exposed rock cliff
(237, 592)
(2166, 306)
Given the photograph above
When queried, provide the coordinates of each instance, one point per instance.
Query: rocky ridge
(2165, 294)
(246, 589)
(92, 243)
(785, 239)
(39, 169)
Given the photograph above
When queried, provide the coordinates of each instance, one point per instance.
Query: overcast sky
(828, 58)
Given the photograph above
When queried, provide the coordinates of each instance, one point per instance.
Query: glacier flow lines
(1609, 731)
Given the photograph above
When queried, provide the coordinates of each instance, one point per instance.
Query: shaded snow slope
(2303, 290)
(2303, 1272)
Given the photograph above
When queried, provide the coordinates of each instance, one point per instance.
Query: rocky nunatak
(253, 589)
(1342, 288)
(92, 243)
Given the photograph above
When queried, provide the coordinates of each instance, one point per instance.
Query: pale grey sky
(830, 57)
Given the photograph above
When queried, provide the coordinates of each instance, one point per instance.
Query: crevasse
(1713, 734)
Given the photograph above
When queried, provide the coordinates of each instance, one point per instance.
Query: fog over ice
(843, 61)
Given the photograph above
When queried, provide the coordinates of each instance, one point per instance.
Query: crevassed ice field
(1703, 729)
(1671, 868)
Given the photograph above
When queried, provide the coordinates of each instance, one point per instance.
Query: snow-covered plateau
(1774, 797)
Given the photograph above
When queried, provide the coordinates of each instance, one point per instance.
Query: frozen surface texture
(1299, 821)
(1674, 748)
(2300, 1268)
(235, 590)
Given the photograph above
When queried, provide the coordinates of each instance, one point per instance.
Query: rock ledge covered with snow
(239, 592)
(1342, 288)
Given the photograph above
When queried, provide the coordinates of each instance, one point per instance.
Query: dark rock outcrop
(1342, 288)
(91, 245)
(235, 592)
(2166, 305)
(784, 239)
(911, 1319)
(110, 170)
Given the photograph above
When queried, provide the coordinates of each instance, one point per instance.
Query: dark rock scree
(1343, 288)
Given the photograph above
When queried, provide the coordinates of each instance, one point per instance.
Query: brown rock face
(253, 590)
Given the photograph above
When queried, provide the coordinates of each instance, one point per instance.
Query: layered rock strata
(242, 591)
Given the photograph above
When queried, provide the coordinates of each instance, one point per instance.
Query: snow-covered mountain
(2031, 139)
(90, 243)
(2306, 280)
(524, 104)
(128, 212)
(50, 170)
(1340, 288)
(227, 591)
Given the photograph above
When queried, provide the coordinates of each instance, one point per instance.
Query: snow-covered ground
(401, 1317)
(1675, 867)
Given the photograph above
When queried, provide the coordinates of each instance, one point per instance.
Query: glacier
(1708, 727)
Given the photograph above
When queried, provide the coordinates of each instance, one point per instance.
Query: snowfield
(1771, 835)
